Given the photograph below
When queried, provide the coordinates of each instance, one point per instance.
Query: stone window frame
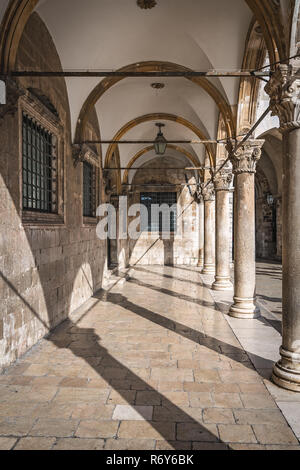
(30, 104)
(88, 155)
(173, 188)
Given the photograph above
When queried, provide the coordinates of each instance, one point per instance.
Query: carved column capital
(284, 92)
(245, 158)
(223, 180)
(208, 192)
(84, 153)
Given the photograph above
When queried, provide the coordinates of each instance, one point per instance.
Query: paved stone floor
(155, 366)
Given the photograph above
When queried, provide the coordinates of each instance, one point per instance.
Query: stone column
(283, 90)
(244, 166)
(209, 229)
(201, 230)
(222, 182)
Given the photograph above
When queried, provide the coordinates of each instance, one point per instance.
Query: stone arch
(11, 30)
(145, 150)
(254, 57)
(157, 116)
(154, 66)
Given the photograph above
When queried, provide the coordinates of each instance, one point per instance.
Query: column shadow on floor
(230, 351)
(170, 421)
(163, 290)
(167, 276)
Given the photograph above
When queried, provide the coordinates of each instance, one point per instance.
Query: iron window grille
(156, 224)
(39, 168)
(89, 190)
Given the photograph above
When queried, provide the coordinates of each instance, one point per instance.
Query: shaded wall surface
(47, 269)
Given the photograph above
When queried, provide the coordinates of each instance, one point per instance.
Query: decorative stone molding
(284, 91)
(13, 93)
(223, 180)
(146, 4)
(84, 153)
(208, 192)
(245, 158)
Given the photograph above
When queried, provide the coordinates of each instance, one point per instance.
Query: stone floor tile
(197, 432)
(235, 433)
(246, 447)
(200, 400)
(35, 443)
(170, 375)
(97, 429)
(218, 416)
(260, 416)
(173, 445)
(7, 443)
(54, 427)
(227, 400)
(275, 434)
(147, 430)
(204, 375)
(258, 401)
(258, 388)
(291, 411)
(16, 426)
(122, 397)
(148, 398)
(92, 411)
(79, 395)
(209, 446)
(130, 444)
(283, 447)
(74, 382)
(79, 444)
(133, 413)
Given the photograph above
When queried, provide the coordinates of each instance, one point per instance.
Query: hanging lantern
(160, 143)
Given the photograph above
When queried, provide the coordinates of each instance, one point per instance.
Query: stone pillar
(244, 166)
(209, 229)
(283, 90)
(201, 231)
(222, 182)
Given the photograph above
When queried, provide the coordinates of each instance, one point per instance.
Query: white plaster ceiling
(108, 35)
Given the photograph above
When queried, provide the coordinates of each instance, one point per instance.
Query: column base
(244, 308)
(222, 284)
(286, 373)
(209, 269)
(200, 263)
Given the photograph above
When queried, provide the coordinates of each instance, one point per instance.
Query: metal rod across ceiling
(105, 73)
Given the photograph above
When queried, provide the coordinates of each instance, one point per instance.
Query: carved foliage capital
(223, 180)
(208, 192)
(245, 158)
(284, 92)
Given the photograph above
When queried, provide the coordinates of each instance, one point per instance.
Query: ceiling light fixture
(146, 4)
(160, 143)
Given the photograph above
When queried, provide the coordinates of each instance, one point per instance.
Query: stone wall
(49, 268)
(150, 248)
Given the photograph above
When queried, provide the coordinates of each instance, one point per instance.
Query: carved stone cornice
(284, 92)
(245, 158)
(84, 153)
(13, 92)
(223, 180)
(208, 192)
